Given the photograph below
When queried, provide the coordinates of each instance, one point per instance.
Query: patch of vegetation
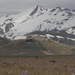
(73, 51)
(21, 47)
(57, 48)
(4, 41)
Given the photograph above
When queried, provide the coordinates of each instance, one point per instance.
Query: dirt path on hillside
(7, 44)
(46, 52)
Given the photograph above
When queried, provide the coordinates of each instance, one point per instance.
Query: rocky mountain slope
(38, 18)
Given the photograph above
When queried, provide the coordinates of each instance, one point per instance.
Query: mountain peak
(60, 9)
(37, 8)
(40, 7)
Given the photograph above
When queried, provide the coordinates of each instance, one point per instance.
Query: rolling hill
(31, 46)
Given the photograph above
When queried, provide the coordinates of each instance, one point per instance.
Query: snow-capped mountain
(37, 18)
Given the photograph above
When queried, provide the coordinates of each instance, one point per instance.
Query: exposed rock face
(8, 26)
(73, 10)
(1, 31)
(34, 11)
(9, 19)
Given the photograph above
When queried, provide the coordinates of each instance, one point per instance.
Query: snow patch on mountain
(71, 31)
(49, 36)
(73, 39)
(60, 37)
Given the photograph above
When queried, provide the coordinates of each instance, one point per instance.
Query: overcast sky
(16, 6)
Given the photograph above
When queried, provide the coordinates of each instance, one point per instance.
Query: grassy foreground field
(62, 65)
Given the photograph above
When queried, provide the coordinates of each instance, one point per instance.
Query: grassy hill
(34, 47)
(4, 41)
(57, 48)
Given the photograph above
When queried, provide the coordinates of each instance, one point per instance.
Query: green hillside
(34, 47)
(4, 41)
(57, 48)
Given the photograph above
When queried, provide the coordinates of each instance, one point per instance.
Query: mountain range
(38, 31)
(57, 23)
